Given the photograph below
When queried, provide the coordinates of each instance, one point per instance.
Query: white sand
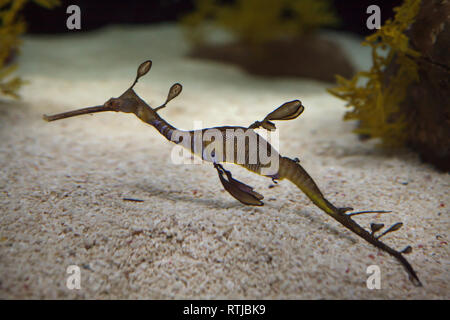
(62, 184)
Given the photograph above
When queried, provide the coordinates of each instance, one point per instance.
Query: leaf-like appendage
(144, 68)
(287, 111)
(376, 227)
(394, 227)
(407, 250)
(174, 91)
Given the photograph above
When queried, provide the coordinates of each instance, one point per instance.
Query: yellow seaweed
(12, 26)
(375, 102)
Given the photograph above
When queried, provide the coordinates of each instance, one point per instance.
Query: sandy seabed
(62, 185)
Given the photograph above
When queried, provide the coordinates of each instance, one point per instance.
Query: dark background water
(96, 14)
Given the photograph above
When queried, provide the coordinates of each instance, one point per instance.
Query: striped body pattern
(229, 144)
(244, 153)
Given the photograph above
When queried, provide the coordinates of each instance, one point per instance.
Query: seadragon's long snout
(77, 112)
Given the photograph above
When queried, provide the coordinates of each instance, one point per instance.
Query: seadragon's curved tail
(291, 170)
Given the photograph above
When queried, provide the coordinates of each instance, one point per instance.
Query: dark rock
(309, 57)
(427, 102)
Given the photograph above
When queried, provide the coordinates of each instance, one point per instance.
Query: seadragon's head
(128, 102)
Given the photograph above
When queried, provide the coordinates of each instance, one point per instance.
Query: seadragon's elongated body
(244, 146)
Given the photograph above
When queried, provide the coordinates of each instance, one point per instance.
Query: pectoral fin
(268, 125)
(239, 190)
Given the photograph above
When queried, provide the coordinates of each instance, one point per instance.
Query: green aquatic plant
(259, 21)
(12, 26)
(375, 96)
